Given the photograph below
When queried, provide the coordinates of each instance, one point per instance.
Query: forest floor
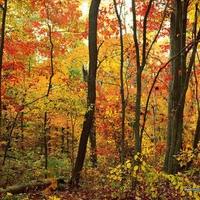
(75, 194)
(94, 187)
(94, 193)
(82, 194)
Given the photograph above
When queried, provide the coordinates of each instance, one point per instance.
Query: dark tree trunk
(178, 84)
(178, 72)
(197, 132)
(91, 97)
(3, 22)
(46, 128)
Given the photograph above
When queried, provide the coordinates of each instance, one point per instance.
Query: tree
(91, 95)
(46, 128)
(180, 73)
(141, 62)
(3, 24)
(123, 102)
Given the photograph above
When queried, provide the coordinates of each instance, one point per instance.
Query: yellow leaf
(174, 182)
(183, 193)
(190, 193)
(128, 165)
(119, 178)
(142, 168)
(176, 187)
(154, 195)
(135, 168)
(9, 194)
(181, 189)
(136, 157)
(139, 178)
(54, 198)
(134, 174)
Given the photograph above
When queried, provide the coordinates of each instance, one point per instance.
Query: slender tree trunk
(154, 139)
(140, 63)
(197, 132)
(93, 144)
(46, 128)
(91, 96)
(1, 55)
(123, 102)
(73, 122)
(4, 9)
(22, 131)
(45, 140)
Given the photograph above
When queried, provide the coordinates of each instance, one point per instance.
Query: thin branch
(154, 81)
(156, 36)
(145, 34)
(135, 36)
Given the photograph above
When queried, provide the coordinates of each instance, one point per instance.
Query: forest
(99, 99)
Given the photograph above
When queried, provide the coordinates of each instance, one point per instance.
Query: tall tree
(46, 128)
(3, 22)
(143, 48)
(179, 82)
(91, 94)
(123, 102)
(140, 64)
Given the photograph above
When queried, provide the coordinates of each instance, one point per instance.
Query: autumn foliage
(45, 52)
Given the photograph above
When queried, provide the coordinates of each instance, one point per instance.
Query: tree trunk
(1, 56)
(175, 115)
(46, 128)
(197, 132)
(33, 185)
(91, 96)
(178, 85)
(140, 63)
(123, 102)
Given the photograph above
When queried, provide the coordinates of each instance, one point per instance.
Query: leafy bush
(153, 184)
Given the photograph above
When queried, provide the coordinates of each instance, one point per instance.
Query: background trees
(147, 59)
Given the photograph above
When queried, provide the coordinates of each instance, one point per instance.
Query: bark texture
(180, 73)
